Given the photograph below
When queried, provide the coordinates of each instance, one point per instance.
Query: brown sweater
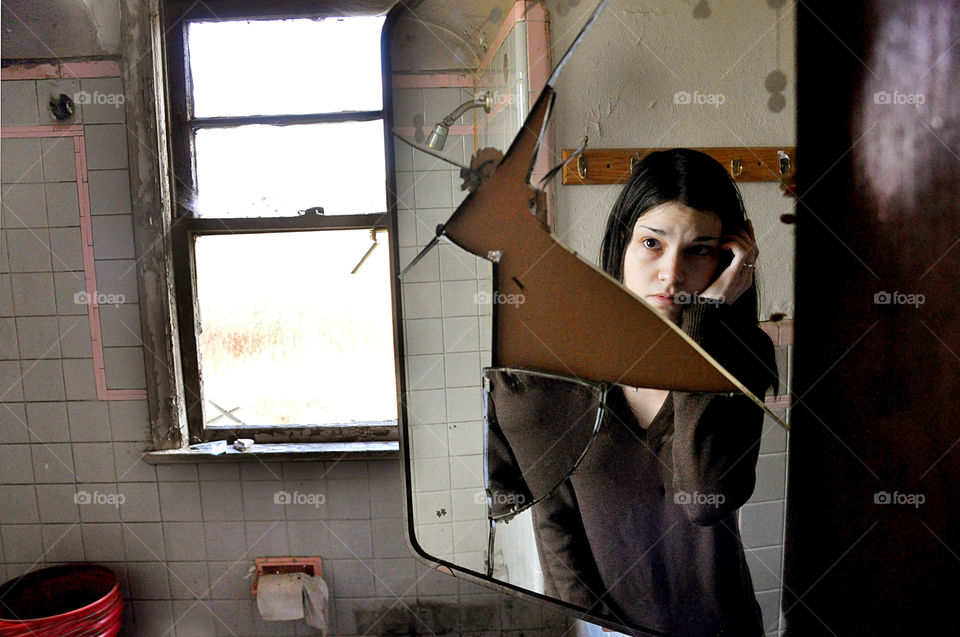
(643, 531)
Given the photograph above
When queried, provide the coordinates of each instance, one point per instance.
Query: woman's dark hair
(683, 175)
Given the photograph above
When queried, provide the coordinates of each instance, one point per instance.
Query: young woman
(644, 530)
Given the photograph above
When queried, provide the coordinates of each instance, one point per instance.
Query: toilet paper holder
(274, 565)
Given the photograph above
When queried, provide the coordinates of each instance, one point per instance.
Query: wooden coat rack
(597, 166)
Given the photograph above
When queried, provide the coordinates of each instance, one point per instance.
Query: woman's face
(674, 249)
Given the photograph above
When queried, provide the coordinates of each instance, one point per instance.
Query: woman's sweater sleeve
(716, 437)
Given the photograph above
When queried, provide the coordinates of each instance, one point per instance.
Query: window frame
(184, 227)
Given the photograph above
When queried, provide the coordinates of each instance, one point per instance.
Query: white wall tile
(432, 475)
(426, 407)
(456, 263)
(62, 543)
(20, 162)
(183, 541)
(462, 369)
(460, 298)
(141, 504)
(427, 222)
(221, 501)
(33, 294)
(19, 504)
(407, 228)
(24, 205)
(433, 507)
(124, 367)
(461, 334)
(466, 438)
(42, 380)
(771, 478)
(426, 269)
(467, 506)
(425, 372)
(429, 441)
(94, 462)
(113, 237)
(350, 538)
(225, 540)
(405, 194)
(761, 524)
(421, 300)
(179, 501)
(143, 541)
(102, 100)
(48, 422)
(466, 472)
(188, 580)
(63, 208)
(56, 503)
(38, 337)
(75, 336)
(432, 189)
(106, 146)
(464, 404)
(148, 580)
(79, 380)
(117, 277)
(59, 159)
(120, 325)
(70, 293)
(66, 246)
(109, 192)
(28, 250)
(21, 543)
(436, 539)
(13, 423)
(16, 466)
(20, 103)
(424, 336)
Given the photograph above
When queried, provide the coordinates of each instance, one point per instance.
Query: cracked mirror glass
(634, 504)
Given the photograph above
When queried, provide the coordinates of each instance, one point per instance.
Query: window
(283, 295)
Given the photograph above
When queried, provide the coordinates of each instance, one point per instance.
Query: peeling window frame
(158, 78)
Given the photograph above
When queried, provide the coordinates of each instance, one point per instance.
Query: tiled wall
(447, 313)
(73, 486)
(447, 339)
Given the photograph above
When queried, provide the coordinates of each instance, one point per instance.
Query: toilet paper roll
(280, 596)
(315, 602)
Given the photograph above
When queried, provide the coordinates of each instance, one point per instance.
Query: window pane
(273, 171)
(277, 67)
(289, 336)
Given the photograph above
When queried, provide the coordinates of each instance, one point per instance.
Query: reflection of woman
(644, 531)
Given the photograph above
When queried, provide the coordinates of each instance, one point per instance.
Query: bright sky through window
(289, 336)
(285, 67)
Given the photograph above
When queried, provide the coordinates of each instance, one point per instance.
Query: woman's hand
(737, 277)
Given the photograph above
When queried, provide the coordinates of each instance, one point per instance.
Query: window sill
(286, 452)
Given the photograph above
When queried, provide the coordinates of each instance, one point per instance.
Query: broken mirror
(517, 348)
